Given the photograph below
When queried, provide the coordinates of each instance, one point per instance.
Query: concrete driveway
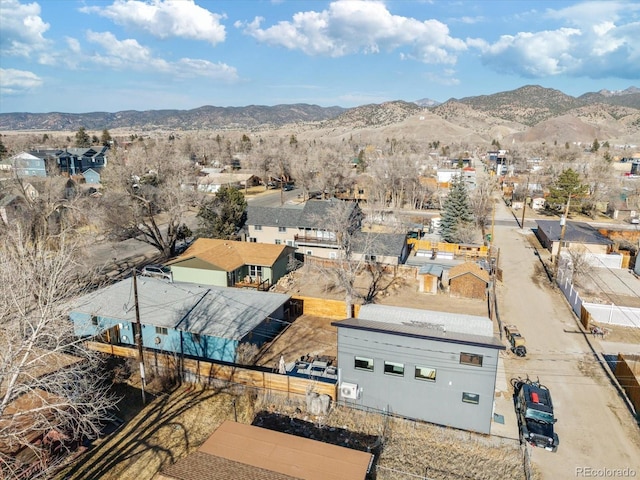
(596, 429)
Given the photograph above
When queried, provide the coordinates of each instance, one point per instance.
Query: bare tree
(148, 191)
(482, 201)
(52, 388)
(355, 269)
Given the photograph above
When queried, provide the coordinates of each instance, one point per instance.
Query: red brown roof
(263, 452)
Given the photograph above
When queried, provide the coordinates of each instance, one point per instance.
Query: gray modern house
(438, 367)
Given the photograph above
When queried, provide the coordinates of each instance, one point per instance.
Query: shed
(236, 450)
(429, 277)
(468, 280)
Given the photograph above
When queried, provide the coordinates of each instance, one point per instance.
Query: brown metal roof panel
(296, 456)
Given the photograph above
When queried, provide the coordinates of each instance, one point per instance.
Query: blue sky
(85, 56)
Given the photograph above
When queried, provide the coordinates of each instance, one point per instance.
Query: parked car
(534, 410)
(157, 271)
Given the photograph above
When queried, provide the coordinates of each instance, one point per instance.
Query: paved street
(595, 427)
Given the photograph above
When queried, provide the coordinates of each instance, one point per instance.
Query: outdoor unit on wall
(349, 390)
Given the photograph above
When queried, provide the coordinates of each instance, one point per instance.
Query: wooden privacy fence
(203, 371)
(628, 375)
(321, 307)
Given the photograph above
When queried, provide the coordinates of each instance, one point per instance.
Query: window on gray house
(94, 320)
(470, 398)
(394, 368)
(425, 373)
(363, 363)
(471, 359)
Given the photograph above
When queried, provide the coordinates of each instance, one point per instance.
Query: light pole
(563, 229)
(524, 204)
(138, 336)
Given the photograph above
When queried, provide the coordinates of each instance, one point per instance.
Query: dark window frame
(369, 361)
(473, 359)
(427, 378)
(391, 371)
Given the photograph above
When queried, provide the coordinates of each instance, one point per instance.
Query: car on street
(534, 410)
(157, 271)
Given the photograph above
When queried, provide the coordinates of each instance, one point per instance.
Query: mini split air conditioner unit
(349, 390)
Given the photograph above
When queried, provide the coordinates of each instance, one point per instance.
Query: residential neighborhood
(392, 292)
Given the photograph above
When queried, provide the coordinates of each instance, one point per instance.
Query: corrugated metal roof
(417, 330)
(215, 311)
(427, 320)
(431, 269)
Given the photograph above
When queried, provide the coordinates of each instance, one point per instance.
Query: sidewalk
(503, 406)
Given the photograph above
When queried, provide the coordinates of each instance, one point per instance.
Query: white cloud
(164, 19)
(128, 54)
(14, 82)
(446, 77)
(356, 26)
(596, 41)
(22, 29)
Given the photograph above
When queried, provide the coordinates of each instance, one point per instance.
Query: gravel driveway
(596, 429)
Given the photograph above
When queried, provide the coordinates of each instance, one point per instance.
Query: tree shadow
(164, 412)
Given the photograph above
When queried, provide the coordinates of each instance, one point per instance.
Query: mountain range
(527, 114)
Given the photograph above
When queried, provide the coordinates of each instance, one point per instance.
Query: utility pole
(524, 203)
(139, 336)
(563, 229)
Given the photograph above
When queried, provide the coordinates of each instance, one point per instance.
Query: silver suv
(157, 271)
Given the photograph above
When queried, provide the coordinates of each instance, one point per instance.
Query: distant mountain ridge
(533, 104)
(207, 117)
(500, 113)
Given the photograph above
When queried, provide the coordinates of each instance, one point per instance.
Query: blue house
(91, 176)
(181, 318)
(27, 165)
(78, 160)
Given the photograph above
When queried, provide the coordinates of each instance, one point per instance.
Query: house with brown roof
(468, 280)
(226, 263)
(236, 450)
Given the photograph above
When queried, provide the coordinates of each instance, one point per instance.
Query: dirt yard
(401, 291)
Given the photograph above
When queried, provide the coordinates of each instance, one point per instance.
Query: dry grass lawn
(173, 425)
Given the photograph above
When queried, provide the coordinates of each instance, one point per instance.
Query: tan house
(226, 263)
(239, 451)
(468, 280)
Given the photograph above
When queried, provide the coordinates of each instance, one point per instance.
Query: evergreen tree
(457, 215)
(3, 150)
(568, 186)
(82, 138)
(223, 215)
(105, 139)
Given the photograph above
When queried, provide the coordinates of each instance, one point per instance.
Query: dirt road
(596, 429)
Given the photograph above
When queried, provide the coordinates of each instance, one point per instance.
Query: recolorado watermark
(603, 472)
